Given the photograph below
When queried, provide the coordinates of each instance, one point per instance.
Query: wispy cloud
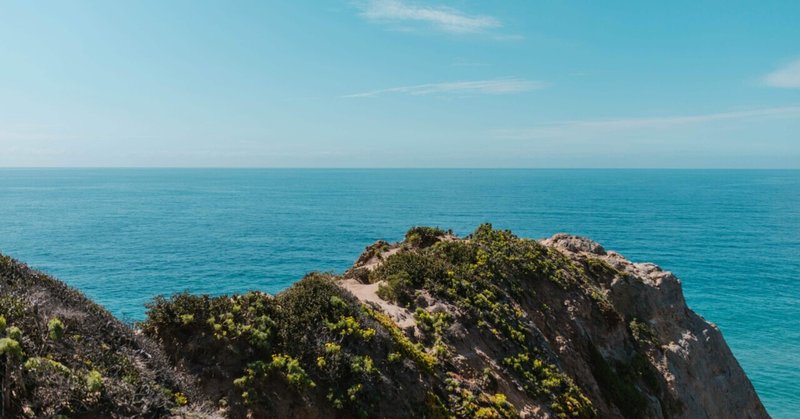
(465, 88)
(787, 76)
(466, 63)
(445, 19)
(594, 126)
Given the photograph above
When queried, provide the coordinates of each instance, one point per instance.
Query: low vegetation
(425, 236)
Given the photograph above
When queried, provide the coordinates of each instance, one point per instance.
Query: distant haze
(400, 83)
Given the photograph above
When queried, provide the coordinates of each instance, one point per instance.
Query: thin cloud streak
(587, 127)
(483, 87)
(787, 76)
(444, 19)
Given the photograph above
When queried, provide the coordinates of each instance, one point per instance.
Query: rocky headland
(488, 326)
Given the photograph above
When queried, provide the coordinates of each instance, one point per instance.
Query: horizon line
(375, 168)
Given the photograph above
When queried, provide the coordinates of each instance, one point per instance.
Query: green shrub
(432, 326)
(419, 268)
(362, 365)
(180, 399)
(14, 332)
(397, 288)
(94, 381)
(424, 236)
(305, 311)
(55, 329)
(40, 364)
(349, 326)
(288, 366)
(186, 319)
(10, 347)
(458, 253)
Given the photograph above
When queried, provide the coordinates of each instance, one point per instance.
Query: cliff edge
(490, 325)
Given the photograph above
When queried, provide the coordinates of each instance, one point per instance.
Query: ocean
(123, 236)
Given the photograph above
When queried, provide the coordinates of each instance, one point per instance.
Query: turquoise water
(123, 236)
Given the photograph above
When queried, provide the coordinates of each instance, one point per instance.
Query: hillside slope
(60, 353)
(490, 325)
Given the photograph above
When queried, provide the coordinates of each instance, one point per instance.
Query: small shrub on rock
(424, 236)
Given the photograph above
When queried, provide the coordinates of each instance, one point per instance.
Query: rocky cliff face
(490, 325)
(696, 374)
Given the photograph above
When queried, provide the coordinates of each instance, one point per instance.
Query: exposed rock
(701, 374)
(367, 293)
(575, 244)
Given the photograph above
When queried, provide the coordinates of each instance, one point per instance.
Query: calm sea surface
(123, 236)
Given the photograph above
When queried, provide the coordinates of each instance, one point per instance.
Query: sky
(400, 83)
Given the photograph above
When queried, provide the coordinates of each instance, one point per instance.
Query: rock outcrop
(490, 325)
(694, 364)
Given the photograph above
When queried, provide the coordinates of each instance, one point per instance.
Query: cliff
(490, 325)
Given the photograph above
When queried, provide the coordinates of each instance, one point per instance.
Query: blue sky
(398, 83)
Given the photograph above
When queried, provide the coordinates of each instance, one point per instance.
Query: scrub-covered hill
(490, 325)
(60, 353)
